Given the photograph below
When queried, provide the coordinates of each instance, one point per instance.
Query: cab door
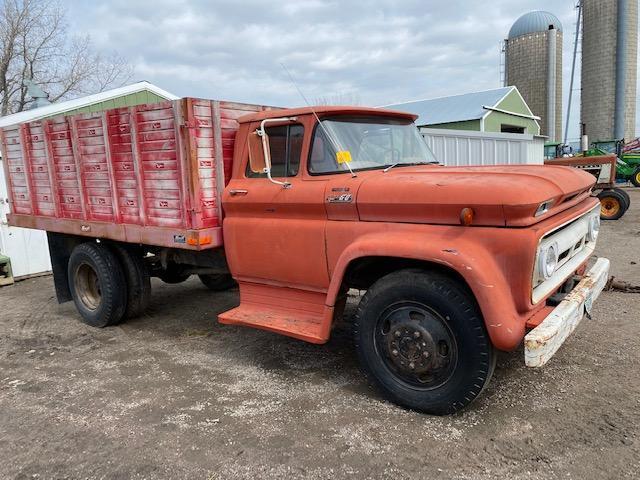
(275, 234)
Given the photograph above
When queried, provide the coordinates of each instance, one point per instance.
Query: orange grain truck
(298, 206)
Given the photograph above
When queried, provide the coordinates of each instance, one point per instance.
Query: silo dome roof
(536, 21)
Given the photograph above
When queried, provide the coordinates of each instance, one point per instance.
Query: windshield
(365, 143)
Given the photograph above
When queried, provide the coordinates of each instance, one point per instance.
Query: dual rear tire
(97, 284)
(108, 283)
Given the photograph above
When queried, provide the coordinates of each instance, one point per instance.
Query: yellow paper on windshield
(343, 156)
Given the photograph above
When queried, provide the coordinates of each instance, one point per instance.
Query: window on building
(511, 129)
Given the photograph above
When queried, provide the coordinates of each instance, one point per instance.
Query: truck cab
(457, 263)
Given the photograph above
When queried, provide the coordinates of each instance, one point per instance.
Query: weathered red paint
(155, 173)
(282, 244)
(150, 173)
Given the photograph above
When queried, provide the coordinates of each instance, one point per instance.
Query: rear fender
(470, 260)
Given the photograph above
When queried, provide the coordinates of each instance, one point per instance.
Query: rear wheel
(635, 177)
(218, 281)
(612, 204)
(97, 284)
(174, 273)
(627, 198)
(137, 279)
(422, 341)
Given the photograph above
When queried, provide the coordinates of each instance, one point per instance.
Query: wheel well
(363, 272)
(60, 247)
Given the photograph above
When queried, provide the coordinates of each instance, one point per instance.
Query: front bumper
(541, 343)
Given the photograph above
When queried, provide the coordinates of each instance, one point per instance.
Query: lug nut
(412, 365)
(397, 334)
(416, 334)
(425, 354)
(394, 353)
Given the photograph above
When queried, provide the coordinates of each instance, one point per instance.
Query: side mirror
(259, 151)
(257, 161)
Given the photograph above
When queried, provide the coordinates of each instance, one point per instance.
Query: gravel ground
(176, 395)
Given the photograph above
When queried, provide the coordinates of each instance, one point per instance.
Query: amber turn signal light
(466, 216)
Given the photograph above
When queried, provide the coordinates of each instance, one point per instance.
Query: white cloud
(376, 51)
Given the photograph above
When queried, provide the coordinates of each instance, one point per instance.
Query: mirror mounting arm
(265, 147)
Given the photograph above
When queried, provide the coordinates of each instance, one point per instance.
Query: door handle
(238, 191)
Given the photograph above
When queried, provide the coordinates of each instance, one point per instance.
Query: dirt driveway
(176, 395)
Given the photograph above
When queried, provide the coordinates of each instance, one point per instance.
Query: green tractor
(628, 163)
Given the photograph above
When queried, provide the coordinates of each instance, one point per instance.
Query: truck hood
(498, 195)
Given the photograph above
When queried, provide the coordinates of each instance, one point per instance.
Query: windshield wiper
(434, 162)
(389, 167)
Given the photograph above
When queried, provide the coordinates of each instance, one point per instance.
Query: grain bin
(533, 57)
(609, 68)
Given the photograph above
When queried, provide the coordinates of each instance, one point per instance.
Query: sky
(366, 52)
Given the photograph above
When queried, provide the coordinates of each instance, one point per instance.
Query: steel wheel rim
(416, 345)
(609, 207)
(87, 286)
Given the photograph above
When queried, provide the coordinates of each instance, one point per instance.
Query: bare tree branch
(35, 45)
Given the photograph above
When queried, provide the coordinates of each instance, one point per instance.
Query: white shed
(464, 147)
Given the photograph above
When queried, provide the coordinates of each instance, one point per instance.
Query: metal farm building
(533, 63)
(609, 80)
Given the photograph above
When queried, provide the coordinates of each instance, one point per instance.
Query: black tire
(97, 284)
(627, 198)
(174, 273)
(635, 177)
(137, 279)
(446, 317)
(612, 204)
(217, 282)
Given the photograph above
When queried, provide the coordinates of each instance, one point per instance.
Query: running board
(288, 311)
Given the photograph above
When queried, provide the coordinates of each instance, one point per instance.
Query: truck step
(296, 313)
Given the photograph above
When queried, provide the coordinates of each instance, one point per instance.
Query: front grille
(573, 249)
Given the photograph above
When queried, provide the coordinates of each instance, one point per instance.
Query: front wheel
(422, 341)
(635, 177)
(612, 204)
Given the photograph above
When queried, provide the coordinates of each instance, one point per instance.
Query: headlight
(594, 228)
(548, 260)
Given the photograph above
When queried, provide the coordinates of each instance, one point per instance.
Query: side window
(323, 157)
(285, 145)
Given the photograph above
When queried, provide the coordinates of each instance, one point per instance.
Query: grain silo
(533, 63)
(609, 68)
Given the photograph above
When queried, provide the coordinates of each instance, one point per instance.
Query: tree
(344, 98)
(35, 45)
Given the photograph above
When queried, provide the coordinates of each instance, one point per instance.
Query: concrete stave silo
(609, 81)
(533, 63)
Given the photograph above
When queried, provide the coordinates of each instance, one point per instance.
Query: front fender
(477, 266)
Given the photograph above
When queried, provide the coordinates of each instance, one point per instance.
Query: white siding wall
(461, 147)
(28, 249)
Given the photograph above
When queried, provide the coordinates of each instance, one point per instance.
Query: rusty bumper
(541, 343)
